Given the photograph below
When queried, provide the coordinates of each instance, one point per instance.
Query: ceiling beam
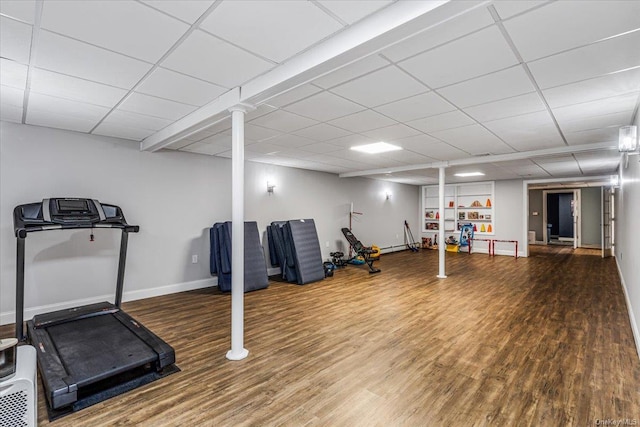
(393, 24)
(496, 158)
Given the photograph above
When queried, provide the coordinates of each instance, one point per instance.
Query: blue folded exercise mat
(255, 267)
(297, 250)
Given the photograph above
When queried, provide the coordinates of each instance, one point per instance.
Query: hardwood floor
(544, 340)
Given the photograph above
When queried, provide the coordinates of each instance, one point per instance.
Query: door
(607, 222)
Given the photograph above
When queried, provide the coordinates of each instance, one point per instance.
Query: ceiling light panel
(178, 87)
(566, 25)
(467, 174)
(204, 56)
(471, 56)
(416, 107)
(376, 148)
(15, 40)
(595, 60)
(115, 25)
(390, 84)
(68, 56)
(273, 29)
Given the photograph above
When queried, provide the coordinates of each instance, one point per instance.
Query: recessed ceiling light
(465, 174)
(376, 147)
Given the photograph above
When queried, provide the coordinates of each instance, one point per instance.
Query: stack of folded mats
(255, 267)
(294, 246)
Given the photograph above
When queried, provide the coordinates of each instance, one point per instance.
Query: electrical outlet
(194, 259)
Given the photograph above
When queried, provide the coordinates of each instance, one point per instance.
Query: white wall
(174, 197)
(509, 223)
(626, 238)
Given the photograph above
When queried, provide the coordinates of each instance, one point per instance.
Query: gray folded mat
(297, 250)
(255, 267)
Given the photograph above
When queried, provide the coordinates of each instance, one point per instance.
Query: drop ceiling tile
(15, 40)
(67, 56)
(471, 56)
(322, 132)
(409, 157)
(597, 88)
(179, 144)
(157, 107)
(187, 10)
(595, 60)
(351, 11)
(558, 169)
(362, 121)
(564, 25)
(336, 160)
(324, 106)
(527, 132)
(430, 147)
(204, 56)
(10, 113)
(115, 25)
(615, 104)
(390, 83)
(66, 107)
(260, 111)
(177, 87)
(292, 26)
(293, 95)
(592, 136)
(515, 106)
(508, 8)
(209, 148)
(222, 139)
(391, 133)
(416, 107)
(59, 121)
(320, 147)
(11, 96)
(440, 34)
(136, 121)
(491, 87)
(373, 160)
(473, 139)
(290, 141)
(266, 148)
(351, 71)
(284, 121)
(23, 10)
(259, 133)
(13, 74)
(615, 120)
(443, 121)
(73, 88)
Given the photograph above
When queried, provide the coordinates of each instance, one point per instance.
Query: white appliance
(18, 392)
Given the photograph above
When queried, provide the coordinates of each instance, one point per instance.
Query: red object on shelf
(438, 215)
(475, 227)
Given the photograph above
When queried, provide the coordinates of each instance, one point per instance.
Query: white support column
(237, 352)
(441, 244)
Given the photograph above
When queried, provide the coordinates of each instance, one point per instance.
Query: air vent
(14, 409)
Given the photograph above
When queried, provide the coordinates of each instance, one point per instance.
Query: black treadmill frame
(62, 392)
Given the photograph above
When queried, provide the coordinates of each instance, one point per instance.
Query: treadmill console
(67, 213)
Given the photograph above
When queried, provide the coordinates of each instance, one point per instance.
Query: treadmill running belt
(98, 347)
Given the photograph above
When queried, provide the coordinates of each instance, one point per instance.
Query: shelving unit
(464, 203)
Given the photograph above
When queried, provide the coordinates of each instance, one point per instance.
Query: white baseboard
(632, 317)
(29, 312)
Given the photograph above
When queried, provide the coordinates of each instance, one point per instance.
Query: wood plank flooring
(544, 340)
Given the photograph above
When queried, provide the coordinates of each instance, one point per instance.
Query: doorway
(561, 219)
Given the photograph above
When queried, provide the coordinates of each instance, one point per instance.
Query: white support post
(237, 352)
(441, 244)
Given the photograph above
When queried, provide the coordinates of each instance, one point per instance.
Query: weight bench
(365, 252)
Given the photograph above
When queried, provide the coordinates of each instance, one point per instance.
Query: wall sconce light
(270, 187)
(387, 196)
(628, 142)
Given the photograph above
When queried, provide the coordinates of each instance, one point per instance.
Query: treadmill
(91, 353)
